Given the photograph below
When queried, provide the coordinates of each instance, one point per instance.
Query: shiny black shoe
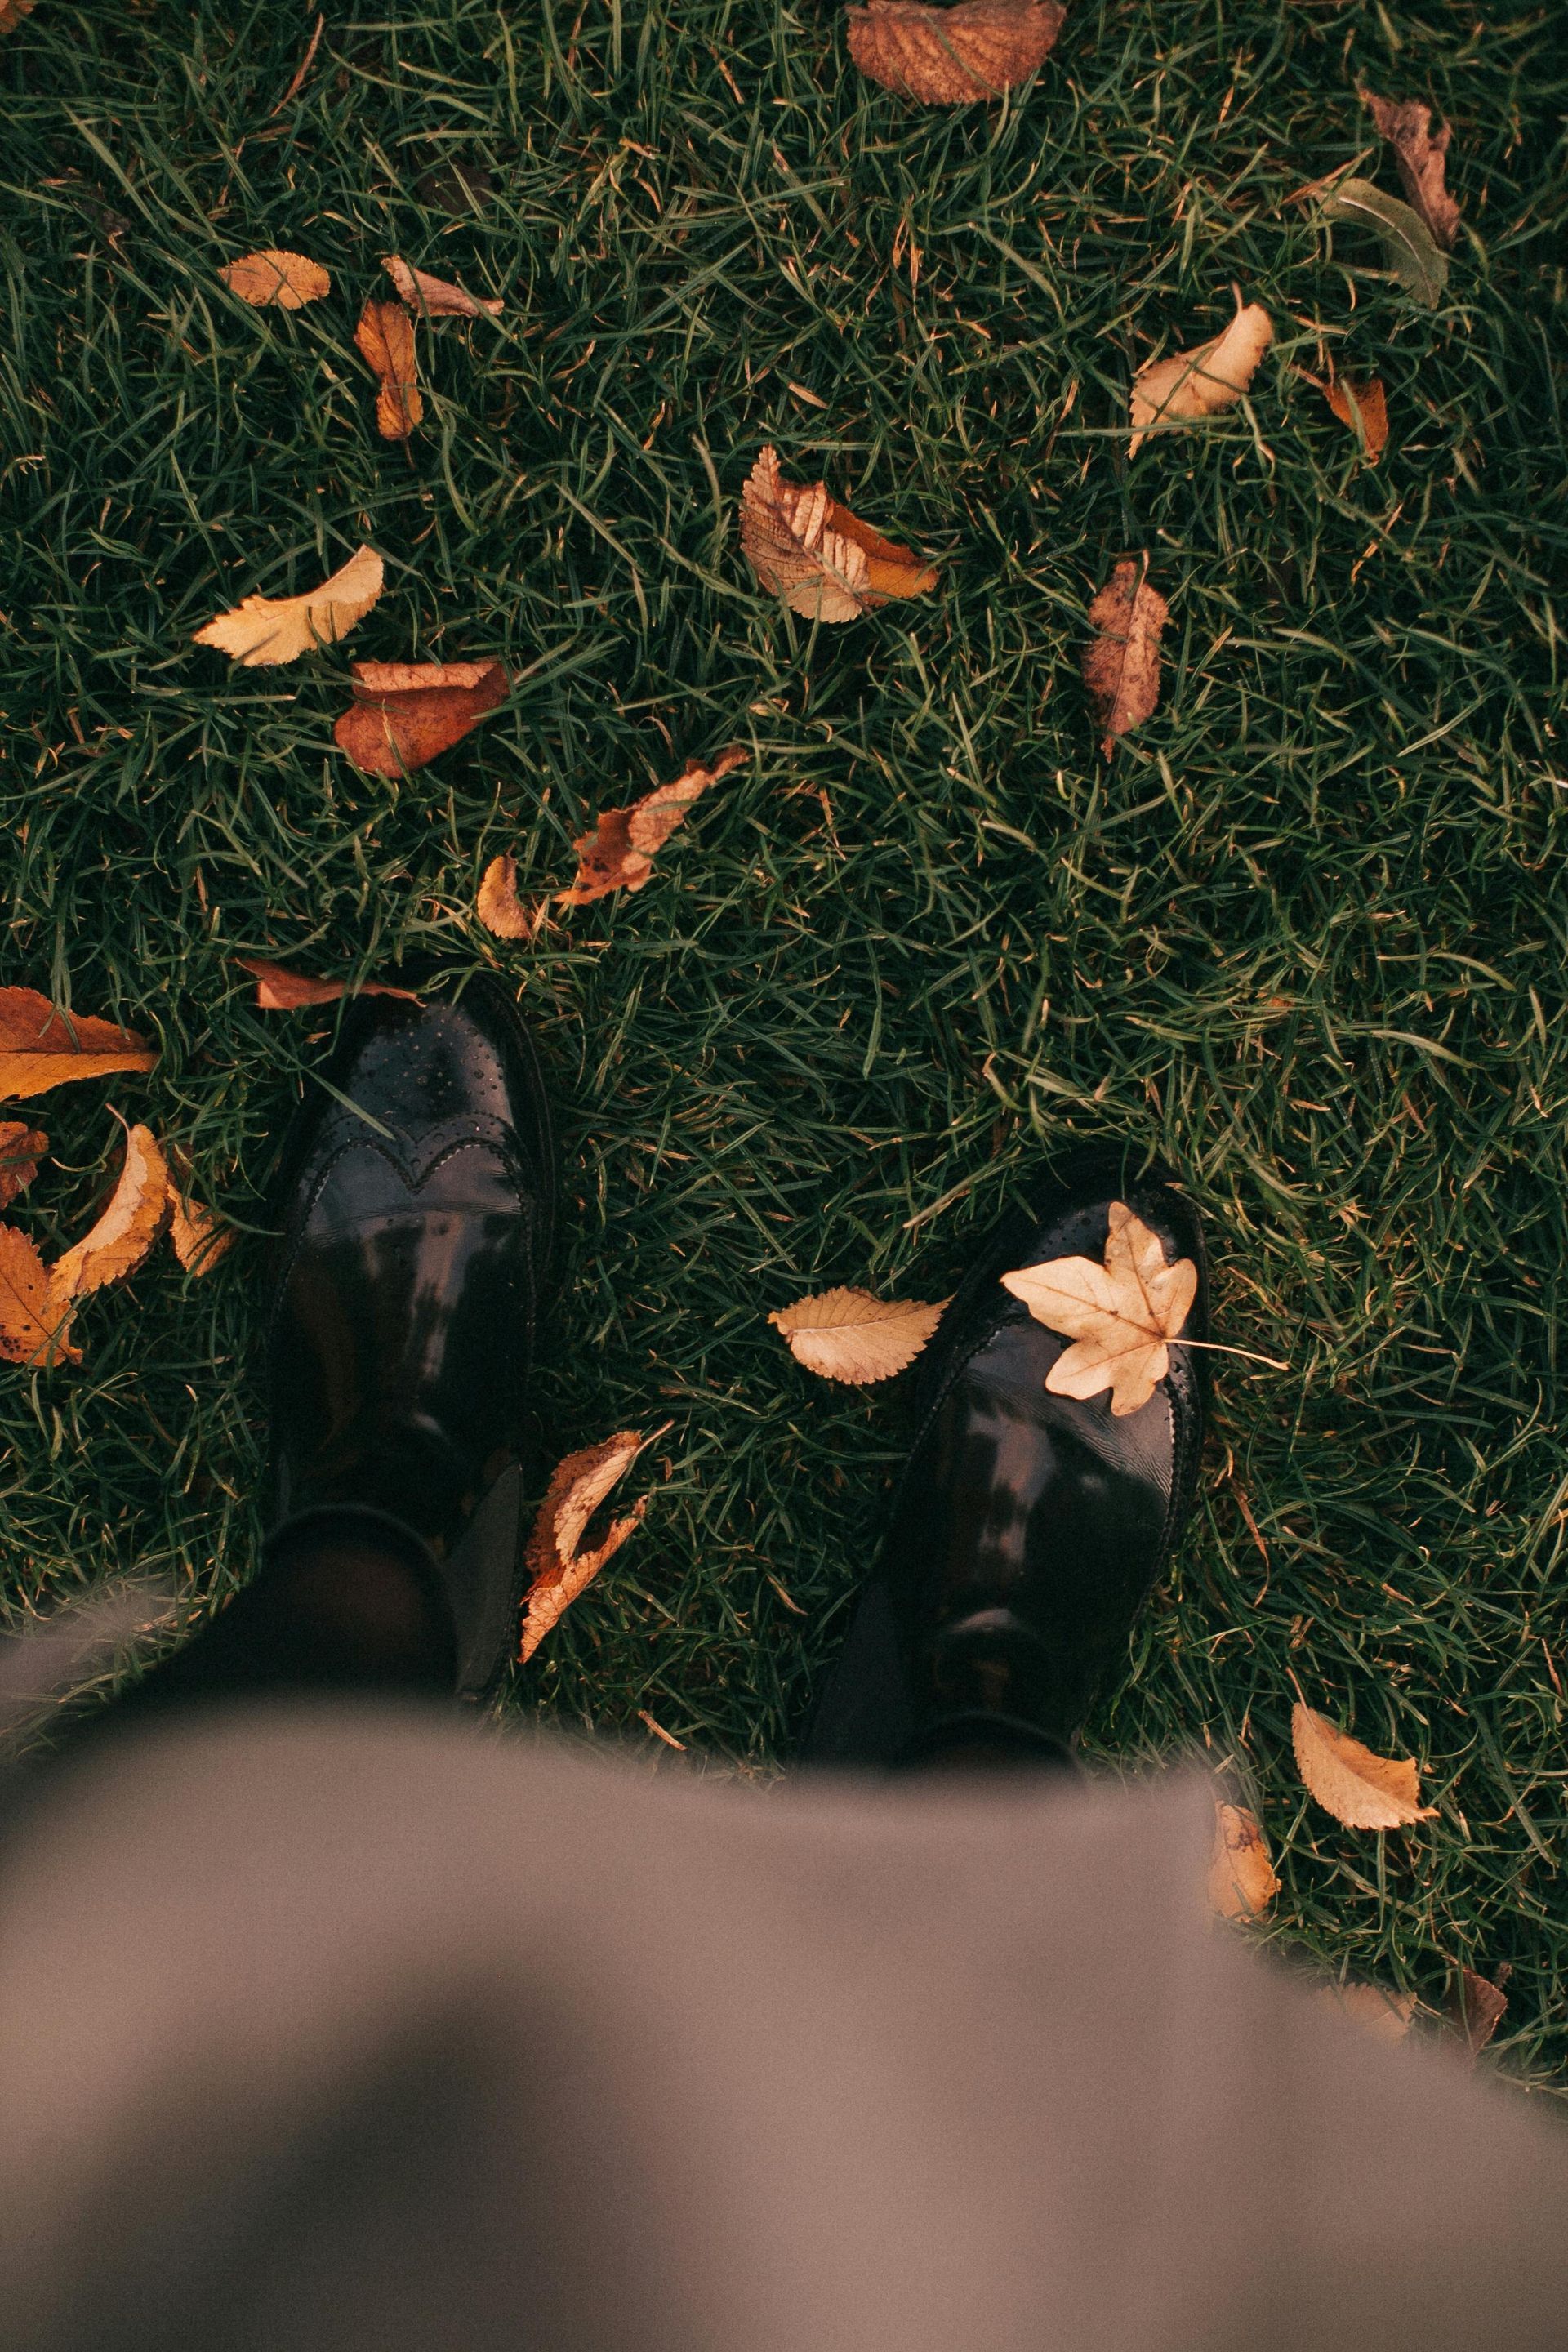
(1027, 1529)
(417, 1203)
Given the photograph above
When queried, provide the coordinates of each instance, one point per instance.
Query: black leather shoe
(418, 1206)
(1027, 1529)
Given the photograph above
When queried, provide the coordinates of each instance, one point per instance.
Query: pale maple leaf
(1121, 1315)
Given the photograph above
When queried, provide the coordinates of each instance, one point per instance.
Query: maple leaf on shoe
(267, 629)
(559, 1572)
(845, 1334)
(1188, 387)
(42, 1047)
(1120, 1316)
(953, 57)
(1362, 1790)
(825, 563)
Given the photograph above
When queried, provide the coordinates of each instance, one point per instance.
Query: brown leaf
(1118, 1316)
(40, 1048)
(1478, 2008)
(848, 1335)
(1122, 665)
(35, 1321)
(1362, 407)
(1362, 1790)
(267, 629)
(406, 713)
(279, 990)
(822, 560)
(115, 1245)
(499, 909)
(385, 338)
(1422, 155)
(558, 1571)
(1388, 2015)
(12, 13)
(199, 1236)
(1187, 386)
(618, 854)
(952, 57)
(438, 296)
(290, 279)
(1242, 1883)
(21, 1149)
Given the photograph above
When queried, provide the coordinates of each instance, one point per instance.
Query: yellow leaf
(558, 1571)
(1122, 666)
(267, 629)
(822, 560)
(952, 57)
(1120, 1315)
(848, 1335)
(290, 279)
(1362, 1790)
(438, 296)
(41, 1047)
(385, 338)
(116, 1245)
(35, 1321)
(1242, 1883)
(1190, 386)
(499, 909)
(1385, 2014)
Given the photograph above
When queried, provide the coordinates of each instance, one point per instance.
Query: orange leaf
(116, 1244)
(848, 1335)
(499, 909)
(822, 560)
(41, 1047)
(405, 713)
(21, 1149)
(1387, 2015)
(1362, 1790)
(1362, 407)
(385, 338)
(1186, 387)
(618, 854)
(438, 296)
(35, 1321)
(1242, 1883)
(290, 279)
(952, 57)
(558, 1571)
(279, 990)
(200, 1237)
(1122, 666)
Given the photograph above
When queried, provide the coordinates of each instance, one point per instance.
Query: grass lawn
(1305, 935)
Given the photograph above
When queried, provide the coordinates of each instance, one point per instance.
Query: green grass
(1305, 936)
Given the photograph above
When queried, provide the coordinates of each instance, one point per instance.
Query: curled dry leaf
(1407, 242)
(848, 1335)
(499, 909)
(21, 1149)
(952, 57)
(1478, 2008)
(1364, 408)
(1119, 1316)
(1362, 1790)
(618, 854)
(1188, 386)
(41, 1047)
(558, 1569)
(266, 629)
(385, 338)
(1388, 2015)
(116, 1244)
(405, 713)
(822, 560)
(288, 279)
(438, 296)
(1121, 664)
(200, 1237)
(35, 1320)
(279, 990)
(1242, 1883)
(1422, 155)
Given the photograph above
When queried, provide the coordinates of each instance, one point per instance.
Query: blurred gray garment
(350, 2029)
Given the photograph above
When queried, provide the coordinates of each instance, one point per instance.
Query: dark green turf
(1305, 936)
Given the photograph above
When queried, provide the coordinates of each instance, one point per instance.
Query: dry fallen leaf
(618, 854)
(1478, 2008)
(35, 1321)
(290, 279)
(1242, 1883)
(438, 296)
(558, 1571)
(265, 629)
(279, 990)
(1362, 1790)
(1118, 1316)
(822, 560)
(499, 909)
(1121, 664)
(1187, 386)
(1408, 245)
(21, 1149)
(200, 1237)
(848, 1335)
(1422, 155)
(12, 13)
(1386, 2014)
(116, 1244)
(406, 713)
(41, 1047)
(385, 338)
(952, 57)
(1364, 408)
